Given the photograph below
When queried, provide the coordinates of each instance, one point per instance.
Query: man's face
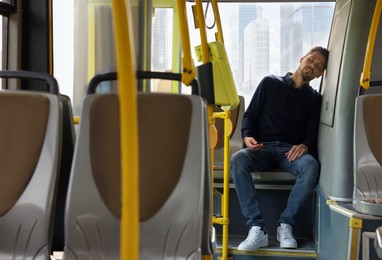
(312, 66)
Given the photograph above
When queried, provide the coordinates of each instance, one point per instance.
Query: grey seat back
(367, 197)
(29, 152)
(91, 228)
(175, 228)
(173, 165)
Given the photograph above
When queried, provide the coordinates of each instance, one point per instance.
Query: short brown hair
(323, 51)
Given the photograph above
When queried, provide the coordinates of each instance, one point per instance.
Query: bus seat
(29, 155)
(175, 227)
(173, 163)
(375, 88)
(367, 196)
(92, 222)
(67, 148)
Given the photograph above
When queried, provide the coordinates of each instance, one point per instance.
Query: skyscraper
(247, 14)
(256, 53)
(162, 39)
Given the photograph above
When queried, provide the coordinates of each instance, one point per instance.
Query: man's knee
(310, 168)
(239, 156)
(309, 163)
(240, 161)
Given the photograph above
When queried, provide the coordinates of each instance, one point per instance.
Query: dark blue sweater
(280, 112)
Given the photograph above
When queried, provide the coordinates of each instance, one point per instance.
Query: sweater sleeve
(254, 109)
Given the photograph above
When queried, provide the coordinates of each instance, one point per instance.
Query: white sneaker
(285, 236)
(256, 238)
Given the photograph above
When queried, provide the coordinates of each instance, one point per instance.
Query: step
(305, 250)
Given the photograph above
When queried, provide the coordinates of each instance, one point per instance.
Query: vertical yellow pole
(227, 132)
(365, 75)
(224, 219)
(129, 130)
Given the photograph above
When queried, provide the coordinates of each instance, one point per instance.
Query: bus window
(63, 33)
(161, 46)
(7, 8)
(165, 49)
(267, 38)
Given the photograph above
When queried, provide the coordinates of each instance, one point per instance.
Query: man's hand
(296, 151)
(251, 143)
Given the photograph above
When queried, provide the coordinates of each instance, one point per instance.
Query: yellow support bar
(223, 115)
(227, 132)
(176, 39)
(355, 223)
(355, 226)
(221, 220)
(224, 220)
(365, 75)
(129, 130)
(189, 71)
(203, 32)
(219, 33)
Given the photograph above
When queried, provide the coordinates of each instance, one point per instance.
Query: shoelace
(254, 233)
(286, 233)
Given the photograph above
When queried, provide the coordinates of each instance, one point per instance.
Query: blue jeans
(272, 155)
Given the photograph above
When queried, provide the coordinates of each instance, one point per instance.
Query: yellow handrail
(219, 33)
(365, 75)
(224, 219)
(129, 130)
(189, 71)
(202, 29)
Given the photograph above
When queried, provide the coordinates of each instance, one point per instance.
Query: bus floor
(305, 249)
